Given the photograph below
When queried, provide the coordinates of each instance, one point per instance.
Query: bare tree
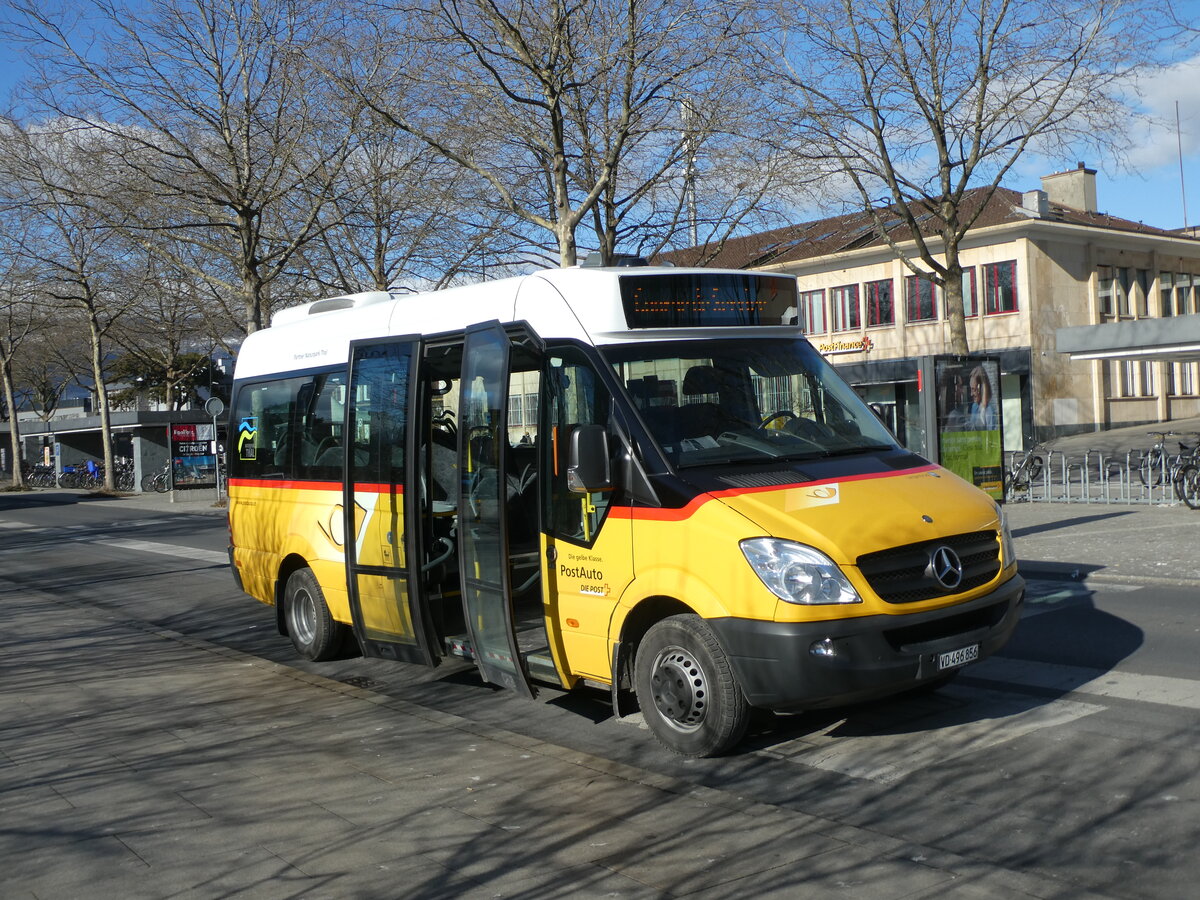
(212, 111)
(18, 320)
(540, 101)
(917, 102)
(701, 176)
(401, 215)
(75, 261)
(51, 359)
(164, 335)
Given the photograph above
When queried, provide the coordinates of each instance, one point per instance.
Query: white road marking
(1162, 689)
(72, 532)
(1044, 595)
(189, 553)
(893, 741)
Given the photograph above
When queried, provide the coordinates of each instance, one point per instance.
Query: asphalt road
(1072, 758)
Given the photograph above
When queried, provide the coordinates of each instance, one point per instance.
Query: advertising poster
(968, 420)
(193, 456)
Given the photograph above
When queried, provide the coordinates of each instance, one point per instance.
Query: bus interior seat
(705, 417)
(333, 456)
(522, 494)
(443, 466)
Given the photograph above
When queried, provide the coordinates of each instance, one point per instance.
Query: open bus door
(483, 527)
(379, 440)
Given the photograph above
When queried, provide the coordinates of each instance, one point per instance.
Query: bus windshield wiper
(857, 448)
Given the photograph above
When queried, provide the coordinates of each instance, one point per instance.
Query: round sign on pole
(214, 406)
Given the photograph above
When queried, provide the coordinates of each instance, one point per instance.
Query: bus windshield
(749, 400)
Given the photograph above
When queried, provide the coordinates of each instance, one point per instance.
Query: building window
(879, 303)
(1000, 287)
(1185, 379)
(844, 303)
(812, 312)
(1166, 292)
(1183, 292)
(1142, 298)
(920, 299)
(1104, 289)
(1146, 378)
(970, 295)
(1114, 285)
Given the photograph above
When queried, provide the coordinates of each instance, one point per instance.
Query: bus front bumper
(790, 666)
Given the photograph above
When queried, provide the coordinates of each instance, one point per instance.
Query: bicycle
(1158, 466)
(1155, 464)
(1025, 468)
(157, 482)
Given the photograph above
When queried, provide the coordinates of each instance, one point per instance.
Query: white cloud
(1158, 143)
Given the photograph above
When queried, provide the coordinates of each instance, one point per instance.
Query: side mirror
(587, 460)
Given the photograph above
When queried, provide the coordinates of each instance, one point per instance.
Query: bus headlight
(796, 573)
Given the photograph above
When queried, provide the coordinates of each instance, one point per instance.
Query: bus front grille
(904, 574)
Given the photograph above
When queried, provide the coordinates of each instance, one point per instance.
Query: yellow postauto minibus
(635, 478)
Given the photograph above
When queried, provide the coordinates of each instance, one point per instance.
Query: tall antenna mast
(1182, 187)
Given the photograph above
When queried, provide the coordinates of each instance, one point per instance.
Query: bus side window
(320, 429)
(576, 396)
(265, 422)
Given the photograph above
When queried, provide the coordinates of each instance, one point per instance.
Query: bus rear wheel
(313, 631)
(688, 692)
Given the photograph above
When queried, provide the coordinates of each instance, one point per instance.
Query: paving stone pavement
(137, 762)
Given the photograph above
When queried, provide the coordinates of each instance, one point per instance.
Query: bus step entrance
(540, 665)
(458, 645)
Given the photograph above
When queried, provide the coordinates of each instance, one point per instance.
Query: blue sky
(1144, 187)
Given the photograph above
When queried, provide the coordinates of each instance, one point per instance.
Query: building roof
(855, 231)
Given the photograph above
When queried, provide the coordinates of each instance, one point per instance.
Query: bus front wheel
(688, 692)
(314, 633)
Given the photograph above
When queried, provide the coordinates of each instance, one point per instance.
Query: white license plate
(960, 657)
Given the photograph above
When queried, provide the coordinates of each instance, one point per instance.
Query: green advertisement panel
(968, 420)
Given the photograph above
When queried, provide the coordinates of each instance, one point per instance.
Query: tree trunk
(252, 301)
(952, 294)
(110, 480)
(14, 425)
(567, 256)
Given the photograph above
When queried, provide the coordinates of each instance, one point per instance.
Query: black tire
(1150, 470)
(1188, 485)
(313, 631)
(1033, 472)
(688, 692)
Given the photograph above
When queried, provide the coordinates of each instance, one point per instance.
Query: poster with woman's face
(968, 416)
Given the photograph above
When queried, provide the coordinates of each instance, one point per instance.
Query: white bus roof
(581, 303)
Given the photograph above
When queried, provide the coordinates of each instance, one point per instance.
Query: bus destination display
(703, 300)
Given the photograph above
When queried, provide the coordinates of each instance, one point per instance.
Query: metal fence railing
(1093, 476)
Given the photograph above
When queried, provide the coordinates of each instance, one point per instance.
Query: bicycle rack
(1094, 477)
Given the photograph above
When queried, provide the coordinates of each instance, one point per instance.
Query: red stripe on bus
(677, 515)
(365, 487)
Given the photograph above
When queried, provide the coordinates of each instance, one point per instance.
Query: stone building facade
(1035, 263)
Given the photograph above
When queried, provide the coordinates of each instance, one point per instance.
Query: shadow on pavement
(1067, 522)
(10, 500)
(1078, 640)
